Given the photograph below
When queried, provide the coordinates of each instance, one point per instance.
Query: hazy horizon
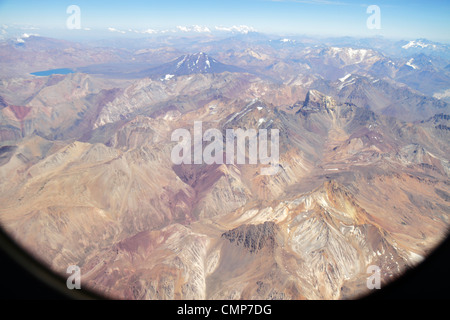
(317, 18)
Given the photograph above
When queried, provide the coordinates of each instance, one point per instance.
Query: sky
(398, 19)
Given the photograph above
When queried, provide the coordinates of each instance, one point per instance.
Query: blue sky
(407, 19)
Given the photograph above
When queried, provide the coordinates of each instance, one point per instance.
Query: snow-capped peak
(198, 62)
(410, 64)
(419, 44)
(345, 78)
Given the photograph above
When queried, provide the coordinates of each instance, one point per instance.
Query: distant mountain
(425, 46)
(425, 73)
(197, 63)
(383, 96)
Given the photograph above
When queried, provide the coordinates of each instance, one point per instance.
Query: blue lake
(53, 71)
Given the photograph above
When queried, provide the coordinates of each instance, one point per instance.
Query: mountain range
(87, 177)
